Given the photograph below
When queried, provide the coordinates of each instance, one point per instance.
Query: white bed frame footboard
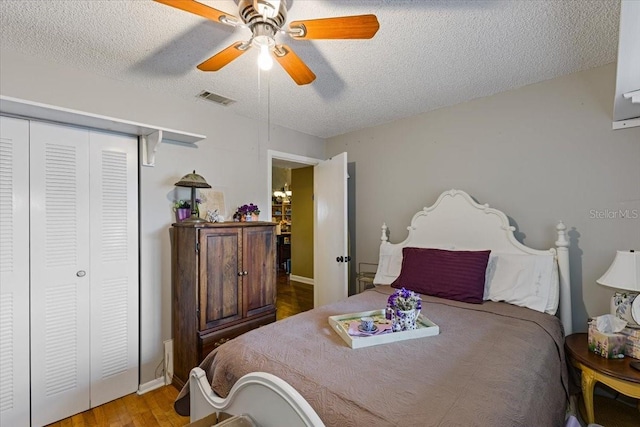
(267, 399)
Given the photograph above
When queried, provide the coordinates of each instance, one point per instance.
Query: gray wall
(540, 153)
(233, 146)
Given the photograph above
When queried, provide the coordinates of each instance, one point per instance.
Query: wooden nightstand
(616, 373)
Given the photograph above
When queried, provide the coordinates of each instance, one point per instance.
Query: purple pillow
(456, 275)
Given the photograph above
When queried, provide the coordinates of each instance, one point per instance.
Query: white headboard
(456, 222)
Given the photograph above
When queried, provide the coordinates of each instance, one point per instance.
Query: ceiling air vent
(218, 99)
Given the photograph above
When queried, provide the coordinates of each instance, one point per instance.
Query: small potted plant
(403, 309)
(183, 209)
(248, 212)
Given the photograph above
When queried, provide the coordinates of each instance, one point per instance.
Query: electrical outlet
(168, 361)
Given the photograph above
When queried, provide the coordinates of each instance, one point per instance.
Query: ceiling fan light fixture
(263, 38)
(263, 35)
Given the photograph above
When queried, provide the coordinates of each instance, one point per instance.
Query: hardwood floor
(293, 297)
(155, 408)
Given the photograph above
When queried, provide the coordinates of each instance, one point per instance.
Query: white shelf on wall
(629, 123)
(634, 96)
(150, 135)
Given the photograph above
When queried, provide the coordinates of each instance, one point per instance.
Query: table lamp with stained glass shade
(624, 274)
(193, 180)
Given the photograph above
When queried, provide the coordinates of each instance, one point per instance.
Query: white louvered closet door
(14, 272)
(84, 283)
(60, 272)
(114, 266)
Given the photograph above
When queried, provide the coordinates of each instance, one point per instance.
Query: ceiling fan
(265, 19)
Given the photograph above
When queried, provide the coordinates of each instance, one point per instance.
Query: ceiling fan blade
(292, 64)
(224, 57)
(343, 27)
(200, 10)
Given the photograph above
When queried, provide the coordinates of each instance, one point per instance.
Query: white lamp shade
(624, 272)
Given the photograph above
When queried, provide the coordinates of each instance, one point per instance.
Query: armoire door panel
(114, 266)
(14, 272)
(220, 275)
(60, 313)
(259, 285)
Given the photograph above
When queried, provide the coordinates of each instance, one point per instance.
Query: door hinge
(197, 246)
(198, 313)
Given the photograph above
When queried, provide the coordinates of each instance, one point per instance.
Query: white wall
(232, 158)
(540, 153)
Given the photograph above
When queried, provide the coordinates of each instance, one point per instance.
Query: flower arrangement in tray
(247, 213)
(403, 309)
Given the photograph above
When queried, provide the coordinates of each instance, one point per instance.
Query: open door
(330, 230)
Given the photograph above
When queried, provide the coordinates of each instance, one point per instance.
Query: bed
(496, 362)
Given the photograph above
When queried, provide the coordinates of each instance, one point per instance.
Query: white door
(84, 269)
(60, 272)
(14, 272)
(114, 266)
(330, 270)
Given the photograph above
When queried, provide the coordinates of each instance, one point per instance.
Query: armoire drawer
(209, 342)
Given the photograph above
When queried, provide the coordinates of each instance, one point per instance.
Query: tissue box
(632, 333)
(632, 350)
(632, 346)
(610, 346)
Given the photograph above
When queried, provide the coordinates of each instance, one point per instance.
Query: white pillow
(554, 291)
(523, 280)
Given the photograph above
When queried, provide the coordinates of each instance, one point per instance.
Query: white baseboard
(151, 385)
(301, 279)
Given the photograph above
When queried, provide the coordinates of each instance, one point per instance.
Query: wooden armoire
(223, 285)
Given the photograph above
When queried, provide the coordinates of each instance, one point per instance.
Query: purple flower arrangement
(244, 212)
(404, 299)
(403, 309)
(248, 209)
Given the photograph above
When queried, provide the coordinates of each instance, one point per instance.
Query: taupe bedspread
(492, 364)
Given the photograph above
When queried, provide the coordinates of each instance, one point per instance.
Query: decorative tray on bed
(343, 322)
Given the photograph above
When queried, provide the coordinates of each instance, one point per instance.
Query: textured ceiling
(426, 55)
